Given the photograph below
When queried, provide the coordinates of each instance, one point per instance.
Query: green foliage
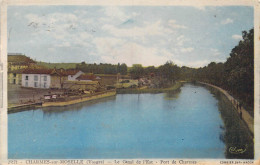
(236, 75)
(169, 71)
(174, 88)
(57, 65)
(166, 74)
(150, 70)
(136, 71)
(122, 69)
(103, 68)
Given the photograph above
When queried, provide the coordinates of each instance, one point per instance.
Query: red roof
(71, 71)
(87, 77)
(37, 71)
(60, 72)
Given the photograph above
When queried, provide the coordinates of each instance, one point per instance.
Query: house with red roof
(59, 76)
(47, 78)
(36, 78)
(88, 77)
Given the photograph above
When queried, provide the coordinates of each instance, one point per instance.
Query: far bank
(173, 88)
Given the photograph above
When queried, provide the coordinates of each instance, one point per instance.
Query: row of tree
(103, 68)
(236, 75)
(167, 73)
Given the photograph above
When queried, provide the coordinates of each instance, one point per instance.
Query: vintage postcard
(129, 82)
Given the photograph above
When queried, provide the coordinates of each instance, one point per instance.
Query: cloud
(187, 50)
(237, 37)
(51, 49)
(63, 29)
(215, 52)
(64, 44)
(114, 13)
(181, 39)
(122, 34)
(52, 18)
(227, 21)
(152, 29)
(195, 64)
(172, 23)
(113, 50)
(202, 8)
(108, 45)
(167, 54)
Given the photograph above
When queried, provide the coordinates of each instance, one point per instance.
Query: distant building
(17, 62)
(36, 78)
(59, 76)
(88, 77)
(91, 86)
(126, 83)
(15, 76)
(47, 78)
(73, 74)
(110, 79)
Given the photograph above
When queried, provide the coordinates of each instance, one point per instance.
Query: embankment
(246, 117)
(69, 101)
(23, 107)
(174, 88)
(79, 100)
(238, 133)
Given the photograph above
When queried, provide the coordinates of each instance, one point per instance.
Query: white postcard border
(3, 59)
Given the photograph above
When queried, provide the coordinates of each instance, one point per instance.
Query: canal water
(181, 125)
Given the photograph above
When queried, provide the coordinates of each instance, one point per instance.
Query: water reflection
(185, 124)
(75, 107)
(172, 95)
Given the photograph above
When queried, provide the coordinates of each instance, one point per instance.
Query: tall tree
(137, 71)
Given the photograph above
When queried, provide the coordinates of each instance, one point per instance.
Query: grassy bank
(236, 135)
(175, 87)
(58, 65)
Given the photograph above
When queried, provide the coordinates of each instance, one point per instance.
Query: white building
(73, 76)
(36, 78)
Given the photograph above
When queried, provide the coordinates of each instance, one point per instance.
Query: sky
(147, 35)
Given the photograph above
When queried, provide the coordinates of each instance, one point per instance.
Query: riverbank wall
(70, 101)
(22, 107)
(79, 100)
(237, 135)
(246, 117)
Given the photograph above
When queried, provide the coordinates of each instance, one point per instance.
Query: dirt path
(19, 96)
(248, 119)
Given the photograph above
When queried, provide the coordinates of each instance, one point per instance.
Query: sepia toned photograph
(130, 82)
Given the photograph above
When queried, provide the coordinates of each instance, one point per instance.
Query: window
(44, 85)
(35, 84)
(35, 77)
(26, 77)
(45, 78)
(14, 74)
(26, 84)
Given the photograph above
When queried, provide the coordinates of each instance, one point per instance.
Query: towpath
(248, 119)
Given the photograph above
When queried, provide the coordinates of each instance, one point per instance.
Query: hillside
(58, 65)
